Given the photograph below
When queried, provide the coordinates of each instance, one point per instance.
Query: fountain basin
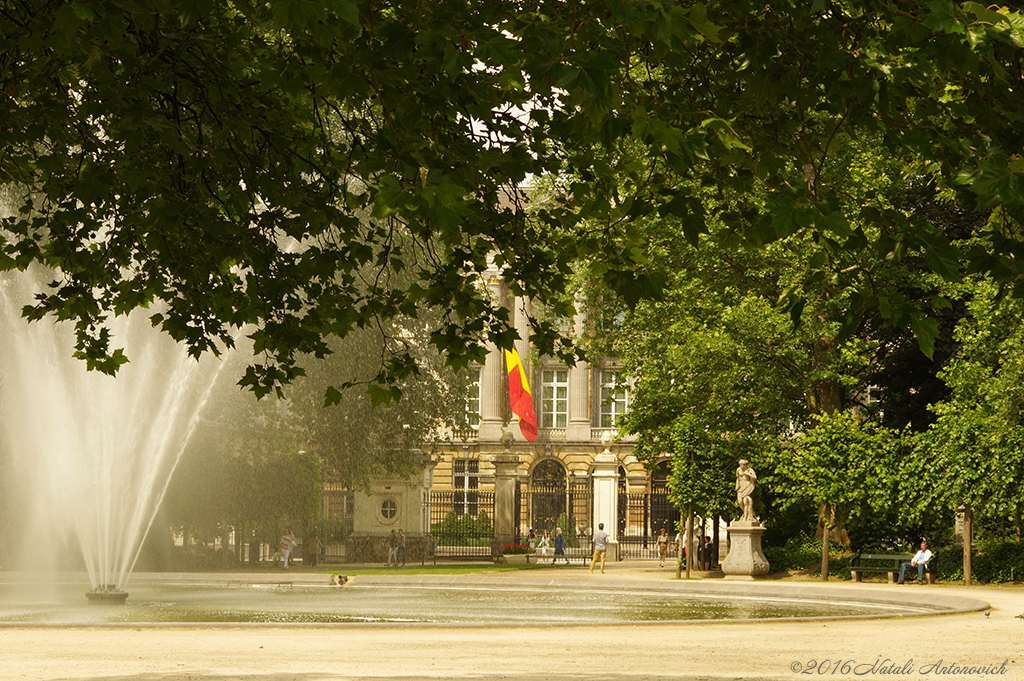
(106, 594)
(461, 600)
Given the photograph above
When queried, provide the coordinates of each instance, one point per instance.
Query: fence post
(606, 496)
(506, 472)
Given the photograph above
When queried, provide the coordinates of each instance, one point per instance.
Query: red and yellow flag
(520, 396)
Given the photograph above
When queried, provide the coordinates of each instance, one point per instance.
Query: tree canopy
(272, 166)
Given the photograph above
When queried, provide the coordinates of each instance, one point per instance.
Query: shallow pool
(67, 605)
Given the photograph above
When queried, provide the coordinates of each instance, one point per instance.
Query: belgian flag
(519, 395)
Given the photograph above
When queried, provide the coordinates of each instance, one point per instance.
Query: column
(491, 383)
(578, 429)
(606, 497)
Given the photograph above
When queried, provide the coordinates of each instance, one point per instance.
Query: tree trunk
(968, 543)
(825, 396)
(714, 541)
(1016, 522)
(824, 547)
(689, 539)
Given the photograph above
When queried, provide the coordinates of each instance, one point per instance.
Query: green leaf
(926, 329)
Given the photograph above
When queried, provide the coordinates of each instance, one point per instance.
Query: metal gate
(567, 504)
(641, 517)
(462, 523)
(336, 526)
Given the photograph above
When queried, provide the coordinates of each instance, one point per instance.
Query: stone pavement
(969, 645)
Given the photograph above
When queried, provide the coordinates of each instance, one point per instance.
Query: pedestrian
(663, 545)
(559, 546)
(286, 546)
(600, 547)
(544, 544)
(313, 547)
(531, 539)
(392, 544)
(401, 548)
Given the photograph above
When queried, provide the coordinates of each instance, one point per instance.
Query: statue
(746, 560)
(507, 440)
(745, 479)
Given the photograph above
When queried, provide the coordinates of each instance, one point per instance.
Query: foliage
(842, 462)
(972, 454)
(275, 164)
(803, 552)
(701, 466)
(514, 549)
(1003, 562)
(257, 491)
(464, 530)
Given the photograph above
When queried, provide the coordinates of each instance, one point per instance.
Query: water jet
(89, 457)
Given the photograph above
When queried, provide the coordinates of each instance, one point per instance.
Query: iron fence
(462, 523)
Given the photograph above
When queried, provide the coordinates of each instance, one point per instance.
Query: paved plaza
(971, 645)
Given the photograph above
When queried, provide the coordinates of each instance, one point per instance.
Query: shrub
(1003, 562)
(803, 552)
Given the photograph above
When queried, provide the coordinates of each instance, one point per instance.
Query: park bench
(889, 563)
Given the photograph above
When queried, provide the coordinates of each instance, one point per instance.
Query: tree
(227, 163)
(971, 457)
(843, 465)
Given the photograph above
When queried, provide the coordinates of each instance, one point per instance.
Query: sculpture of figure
(745, 479)
(507, 440)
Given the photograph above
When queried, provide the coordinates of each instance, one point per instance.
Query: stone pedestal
(745, 559)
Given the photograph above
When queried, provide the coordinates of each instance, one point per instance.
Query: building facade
(577, 410)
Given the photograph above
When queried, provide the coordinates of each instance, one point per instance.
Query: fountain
(92, 455)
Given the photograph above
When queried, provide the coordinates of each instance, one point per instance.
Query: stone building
(577, 408)
(578, 471)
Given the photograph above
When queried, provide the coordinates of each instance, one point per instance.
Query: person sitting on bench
(920, 560)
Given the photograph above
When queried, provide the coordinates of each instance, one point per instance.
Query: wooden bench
(889, 563)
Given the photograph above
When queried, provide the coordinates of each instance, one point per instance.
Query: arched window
(659, 478)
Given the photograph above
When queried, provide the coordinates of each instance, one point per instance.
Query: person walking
(544, 544)
(600, 547)
(286, 546)
(663, 545)
(559, 546)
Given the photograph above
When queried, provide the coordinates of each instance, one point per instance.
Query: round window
(389, 509)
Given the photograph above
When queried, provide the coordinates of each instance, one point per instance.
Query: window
(554, 402)
(389, 509)
(466, 482)
(614, 398)
(473, 400)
